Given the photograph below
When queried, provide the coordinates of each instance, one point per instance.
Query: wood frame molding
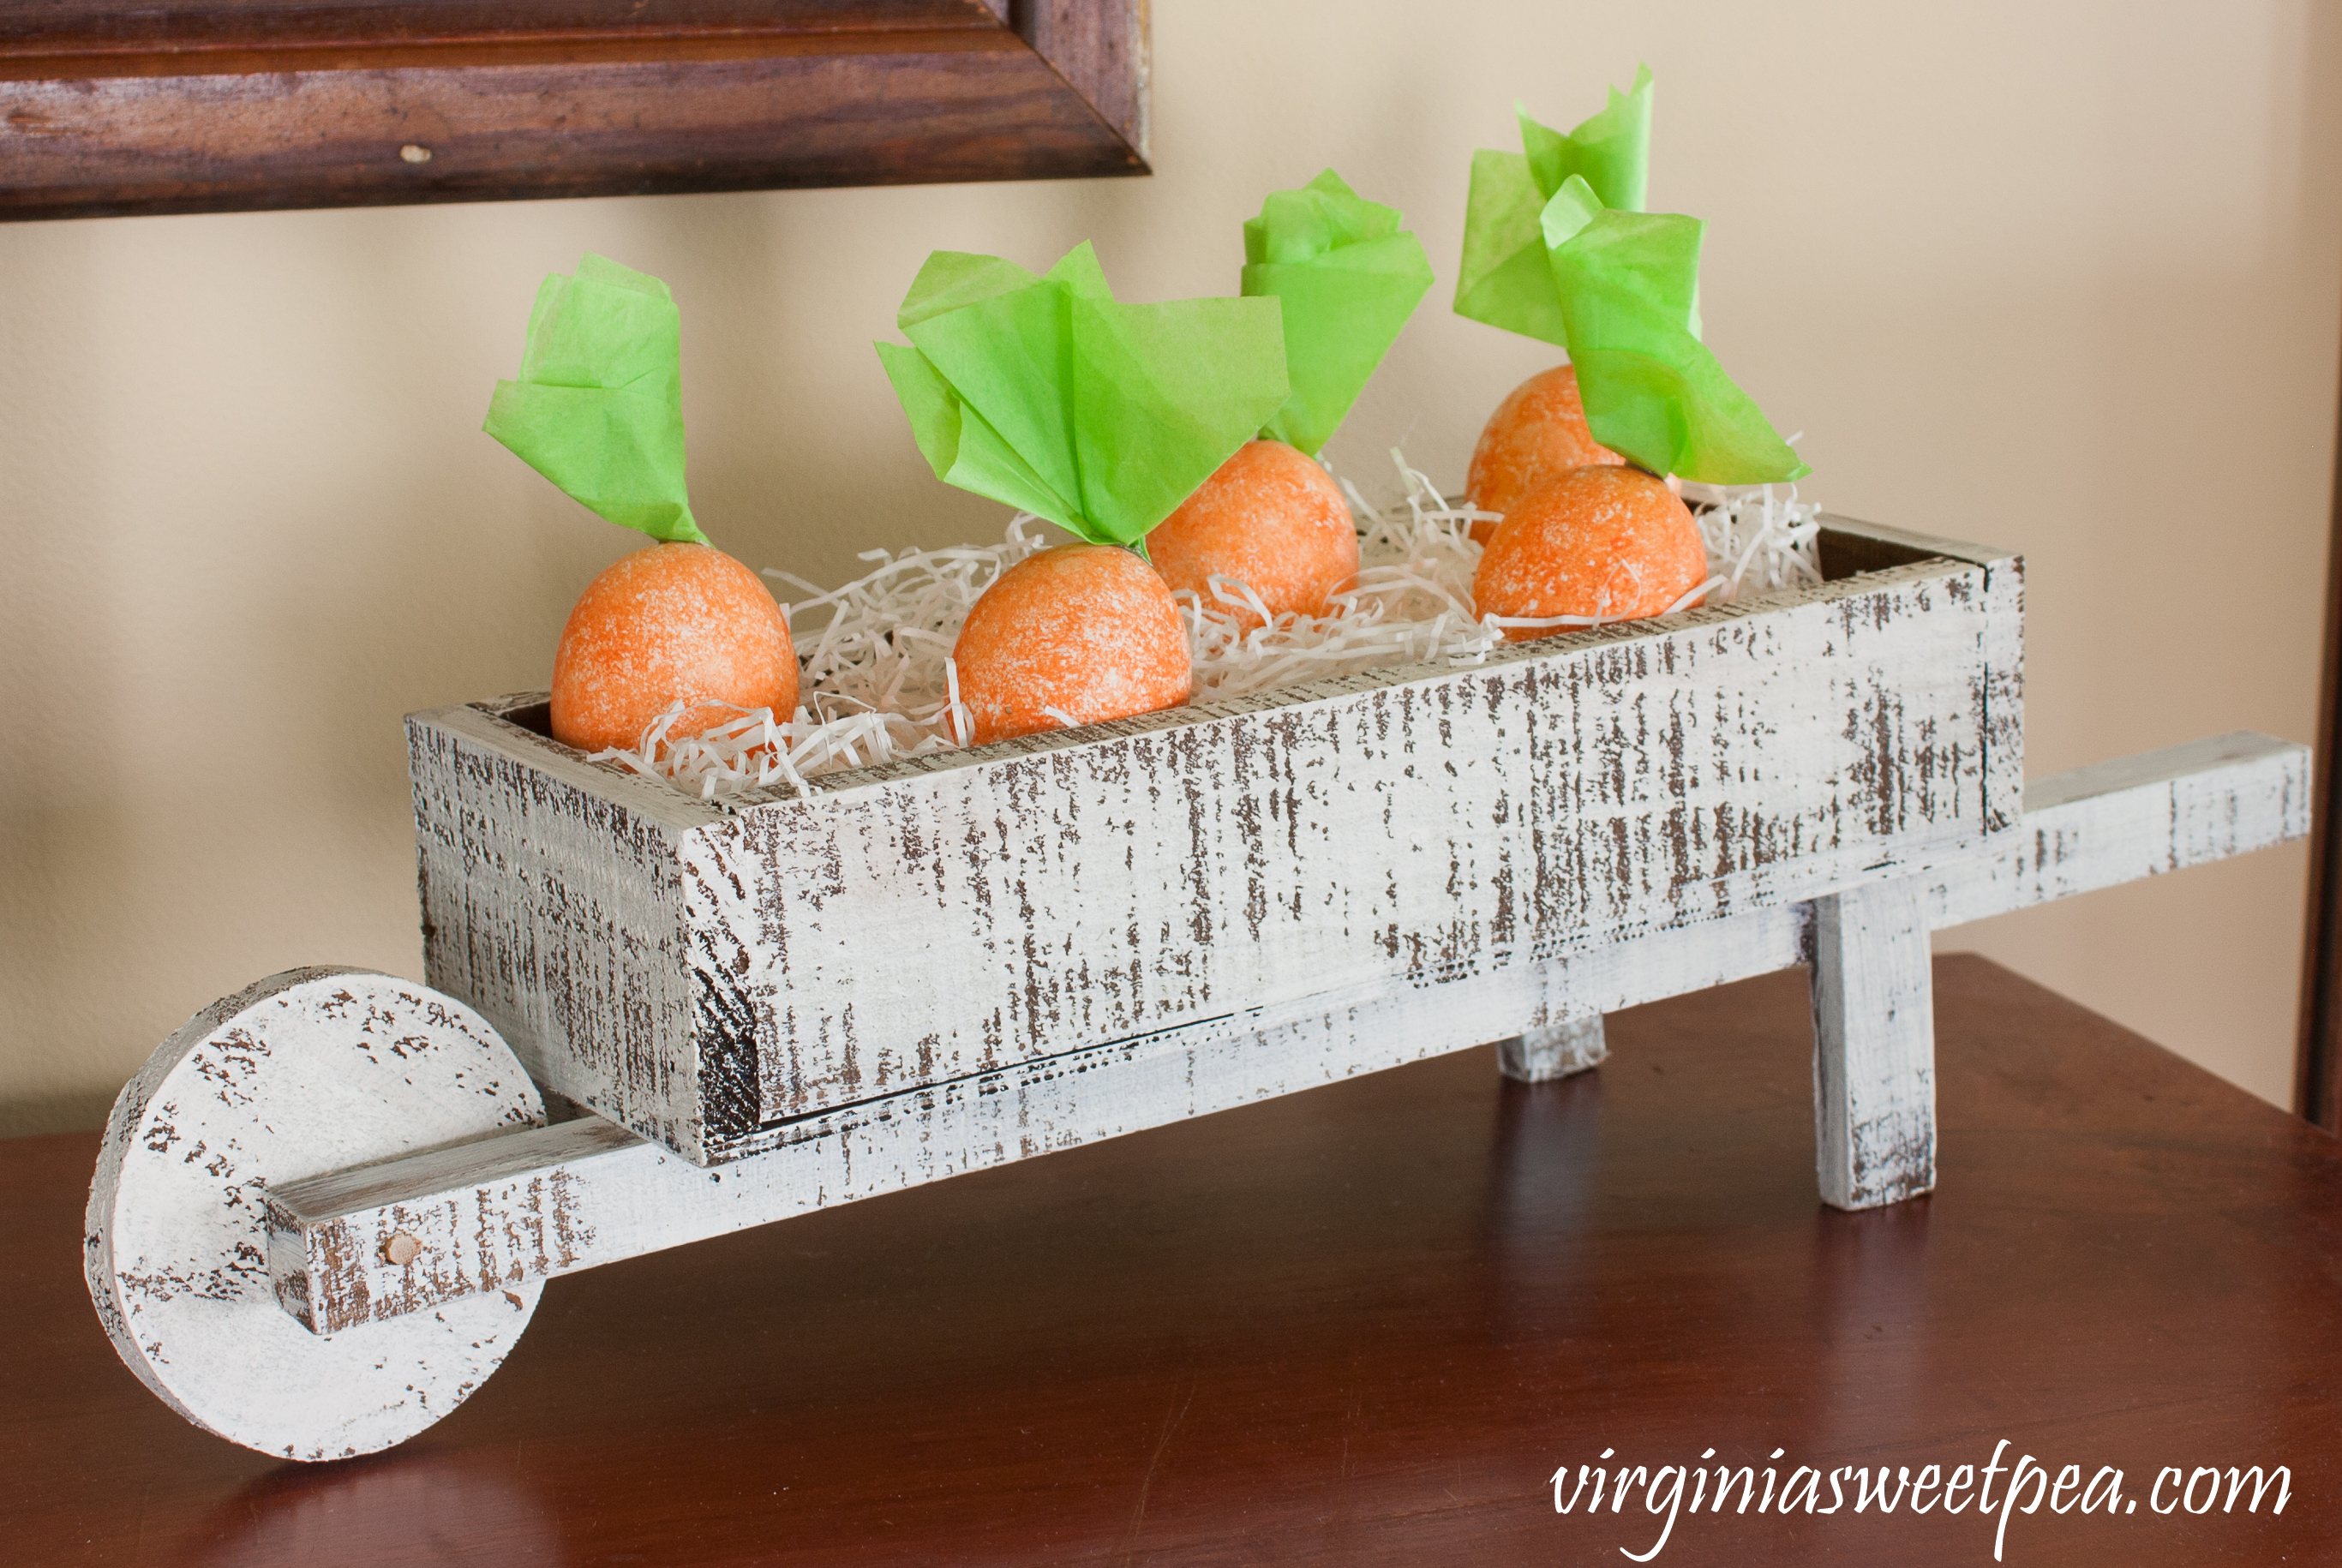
(2318, 1061)
(227, 105)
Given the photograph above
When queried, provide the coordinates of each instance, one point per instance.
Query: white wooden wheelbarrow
(325, 1208)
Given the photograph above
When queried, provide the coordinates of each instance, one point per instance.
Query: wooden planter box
(719, 978)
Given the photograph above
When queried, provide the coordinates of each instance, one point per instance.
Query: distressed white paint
(703, 977)
(1848, 544)
(1308, 884)
(584, 1192)
(311, 1071)
(598, 967)
(1874, 1046)
(2093, 827)
(1556, 1050)
(2133, 817)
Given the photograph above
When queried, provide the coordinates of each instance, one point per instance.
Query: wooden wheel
(311, 1071)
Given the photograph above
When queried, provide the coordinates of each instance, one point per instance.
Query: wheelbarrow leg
(1553, 1050)
(1874, 1046)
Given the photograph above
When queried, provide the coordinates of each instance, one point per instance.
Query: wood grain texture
(2317, 1055)
(1100, 48)
(1874, 1046)
(60, 33)
(1543, 1053)
(2132, 817)
(307, 1072)
(1848, 545)
(602, 966)
(223, 107)
(1363, 1325)
(1556, 1050)
(1402, 828)
(1396, 834)
(584, 1193)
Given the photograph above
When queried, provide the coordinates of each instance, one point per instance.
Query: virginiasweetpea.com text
(1996, 1492)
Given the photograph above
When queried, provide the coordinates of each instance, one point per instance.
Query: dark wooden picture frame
(219, 105)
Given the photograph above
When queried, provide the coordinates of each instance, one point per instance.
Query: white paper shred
(878, 682)
(1412, 605)
(1759, 537)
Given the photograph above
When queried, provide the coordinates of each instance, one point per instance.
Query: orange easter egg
(1269, 518)
(1537, 435)
(1087, 629)
(672, 622)
(1610, 541)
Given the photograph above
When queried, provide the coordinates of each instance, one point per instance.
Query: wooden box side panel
(553, 911)
(2002, 696)
(1849, 546)
(932, 924)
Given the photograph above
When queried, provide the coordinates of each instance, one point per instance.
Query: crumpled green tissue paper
(598, 406)
(1050, 394)
(1348, 277)
(1556, 246)
(1625, 284)
(1503, 280)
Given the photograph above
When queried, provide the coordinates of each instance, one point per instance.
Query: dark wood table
(1362, 1325)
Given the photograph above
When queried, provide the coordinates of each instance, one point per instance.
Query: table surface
(1365, 1324)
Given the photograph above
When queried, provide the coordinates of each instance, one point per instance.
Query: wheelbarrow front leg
(1874, 1046)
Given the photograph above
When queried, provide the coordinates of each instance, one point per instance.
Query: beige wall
(2063, 278)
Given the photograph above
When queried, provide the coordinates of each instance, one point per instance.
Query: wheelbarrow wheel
(308, 1072)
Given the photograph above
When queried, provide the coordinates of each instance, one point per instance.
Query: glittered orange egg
(672, 622)
(1537, 435)
(1272, 519)
(1087, 629)
(1610, 541)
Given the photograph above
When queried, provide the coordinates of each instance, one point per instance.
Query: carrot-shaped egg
(598, 409)
(1556, 248)
(1077, 633)
(1539, 433)
(1603, 542)
(1052, 395)
(1624, 283)
(1347, 276)
(1268, 518)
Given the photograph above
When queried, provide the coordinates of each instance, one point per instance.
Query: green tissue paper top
(1050, 394)
(1625, 284)
(1503, 280)
(598, 406)
(1611, 152)
(1348, 277)
(1556, 246)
